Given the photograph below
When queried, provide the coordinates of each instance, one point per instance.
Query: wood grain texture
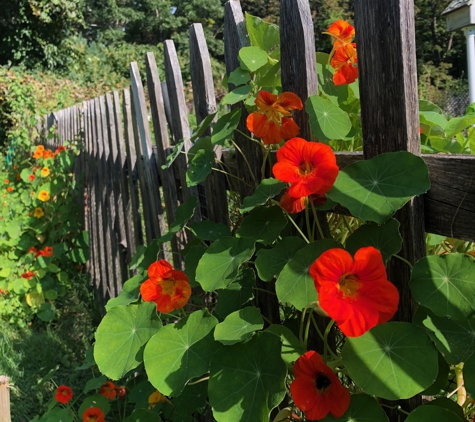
(215, 197)
(5, 415)
(235, 37)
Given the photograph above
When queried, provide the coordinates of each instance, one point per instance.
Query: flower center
(168, 286)
(305, 168)
(349, 285)
(322, 382)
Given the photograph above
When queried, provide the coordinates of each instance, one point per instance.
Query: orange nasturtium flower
(296, 205)
(27, 275)
(272, 121)
(167, 287)
(59, 149)
(355, 292)
(39, 151)
(309, 167)
(47, 251)
(45, 172)
(156, 397)
(43, 196)
(108, 390)
(93, 414)
(31, 177)
(9, 189)
(342, 32)
(7, 181)
(316, 389)
(48, 154)
(38, 213)
(63, 394)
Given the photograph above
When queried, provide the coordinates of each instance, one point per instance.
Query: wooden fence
(127, 194)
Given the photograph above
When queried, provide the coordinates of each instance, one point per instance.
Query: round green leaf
(247, 380)
(431, 414)
(362, 408)
(95, 383)
(120, 337)
(441, 381)
(375, 189)
(394, 361)
(448, 404)
(264, 224)
(469, 375)
(291, 347)
(179, 352)
(454, 339)
(267, 189)
(261, 33)
(200, 167)
(191, 400)
(445, 284)
(294, 284)
(224, 257)
(58, 414)
(237, 94)
(96, 400)
(130, 292)
(225, 126)
(142, 415)
(209, 230)
(239, 326)
(327, 120)
(236, 294)
(385, 238)
(252, 58)
(239, 77)
(192, 258)
(269, 262)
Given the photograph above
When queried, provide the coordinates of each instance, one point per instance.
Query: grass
(28, 354)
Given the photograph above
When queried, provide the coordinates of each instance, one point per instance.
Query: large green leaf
(252, 58)
(362, 408)
(448, 404)
(239, 326)
(292, 348)
(130, 292)
(431, 414)
(191, 400)
(262, 34)
(267, 189)
(327, 120)
(120, 337)
(294, 284)
(200, 167)
(264, 224)
(202, 127)
(432, 123)
(209, 230)
(180, 352)
(385, 361)
(142, 415)
(441, 381)
(192, 258)
(220, 263)
(469, 375)
(247, 380)
(458, 124)
(454, 339)
(269, 262)
(375, 189)
(385, 238)
(236, 294)
(239, 77)
(445, 284)
(237, 94)
(225, 126)
(96, 400)
(57, 414)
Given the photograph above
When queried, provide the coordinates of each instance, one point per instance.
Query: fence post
(4, 399)
(390, 121)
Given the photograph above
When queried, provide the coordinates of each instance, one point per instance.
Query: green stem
(403, 260)
(307, 221)
(325, 339)
(347, 224)
(293, 222)
(314, 211)
(245, 160)
(461, 391)
(248, 137)
(264, 290)
(264, 159)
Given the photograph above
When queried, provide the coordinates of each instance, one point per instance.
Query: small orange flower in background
(63, 394)
(309, 167)
(7, 181)
(343, 55)
(27, 275)
(108, 390)
(168, 288)
(93, 414)
(31, 177)
(272, 121)
(39, 151)
(121, 391)
(355, 292)
(45, 172)
(38, 213)
(156, 397)
(43, 196)
(17, 176)
(60, 149)
(47, 251)
(32, 250)
(296, 205)
(9, 189)
(316, 389)
(48, 154)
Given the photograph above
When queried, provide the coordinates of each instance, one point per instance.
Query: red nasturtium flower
(9, 189)
(59, 149)
(47, 251)
(296, 205)
(342, 32)
(7, 181)
(309, 167)
(28, 275)
(63, 394)
(167, 287)
(93, 414)
(31, 177)
(355, 292)
(316, 389)
(121, 391)
(108, 390)
(272, 121)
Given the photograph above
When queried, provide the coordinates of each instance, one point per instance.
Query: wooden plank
(149, 182)
(115, 197)
(235, 37)
(124, 197)
(132, 168)
(390, 121)
(5, 415)
(86, 187)
(179, 127)
(167, 176)
(205, 104)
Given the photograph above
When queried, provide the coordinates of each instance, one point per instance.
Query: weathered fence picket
(124, 181)
(5, 415)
